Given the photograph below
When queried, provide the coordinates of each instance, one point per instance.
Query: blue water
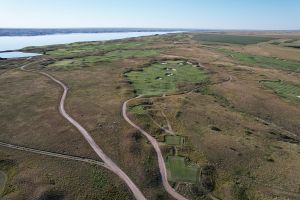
(19, 42)
(17, 54)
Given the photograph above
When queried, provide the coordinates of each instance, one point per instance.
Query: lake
(19, 42)
(17, 54)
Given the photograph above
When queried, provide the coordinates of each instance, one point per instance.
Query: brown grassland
(246, 134)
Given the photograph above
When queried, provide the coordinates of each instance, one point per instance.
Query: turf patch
(164, 77)
(174, 140)
(178, 171)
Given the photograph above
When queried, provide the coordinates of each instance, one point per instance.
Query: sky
(201, 14)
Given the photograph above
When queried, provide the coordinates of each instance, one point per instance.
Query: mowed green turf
(284, 89)
(92, 47)
(179, 172)
(264, 61)
(174, 140)
(154, 79)
(76, 63)
(232, 39)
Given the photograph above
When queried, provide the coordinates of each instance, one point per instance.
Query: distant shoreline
(53, 31)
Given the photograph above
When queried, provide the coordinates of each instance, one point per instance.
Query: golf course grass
(163, 77)
(77, 48)
(264, 61)
(77, 63)
(284, 89)
(232, 39)
(178, 171)
(174, 140)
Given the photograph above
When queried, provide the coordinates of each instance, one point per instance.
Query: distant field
(284, 89)
(293, 43)
(264, 61)
(160, 78)
(232, 39)
(179, 172)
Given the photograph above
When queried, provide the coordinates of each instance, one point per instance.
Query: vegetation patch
(178, 171)
(125, 54)
(8, 171)
(138, 110)
(92, 47)
(78, 63)
(284, 89)
(264, 61)
(174, 140)
(164, 77)
(232, 39)
(103, 184)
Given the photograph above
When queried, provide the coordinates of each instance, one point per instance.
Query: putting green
(178, 171)
(174, 140)
(164, 77)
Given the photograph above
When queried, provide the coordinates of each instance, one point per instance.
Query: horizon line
(140, 28)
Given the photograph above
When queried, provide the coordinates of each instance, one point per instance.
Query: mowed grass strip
(284, 89)
(263, 61)
(163, 78)
(231, 39)
(178, 171)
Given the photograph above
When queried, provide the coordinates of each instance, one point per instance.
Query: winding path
(161, 162)
(108, 162)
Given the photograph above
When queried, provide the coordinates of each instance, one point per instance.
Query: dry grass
(249, 134)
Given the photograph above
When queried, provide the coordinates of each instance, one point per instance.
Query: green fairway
(164, 77)
(174, 140)
(284, 89)
(77, 63)
(232, 39)
(178, 171)
(92, 47)
(123, 54)
(264, 61)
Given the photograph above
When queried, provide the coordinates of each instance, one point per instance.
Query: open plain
(222, 108)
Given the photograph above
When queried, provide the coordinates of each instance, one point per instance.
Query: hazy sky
(206, 14)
